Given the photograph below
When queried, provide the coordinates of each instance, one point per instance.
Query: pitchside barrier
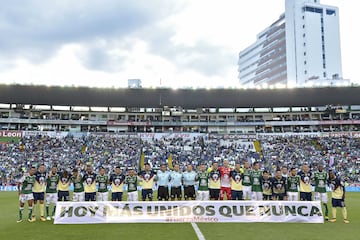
(188, 211)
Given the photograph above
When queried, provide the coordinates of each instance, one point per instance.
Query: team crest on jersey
(237, 178)
(64, 180)
(41, 180)
(332, 186)
(266, 186)
(147, 177)
(279, 186)
(203, 182)
(306, 180)
(117, 181)
(89, 181)
(215, 176)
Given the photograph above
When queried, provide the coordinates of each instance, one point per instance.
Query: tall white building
(301, 47)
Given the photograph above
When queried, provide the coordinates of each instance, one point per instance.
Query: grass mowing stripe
(197, 231)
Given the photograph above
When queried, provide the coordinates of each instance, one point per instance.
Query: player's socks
(326, 211)
(42, 209)
(47, 213)
(30, 213)
(21, 211)
(34, 211)
(54, 210)
(344, 213)
(334, 213)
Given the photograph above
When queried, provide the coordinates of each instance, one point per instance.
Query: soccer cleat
(31, 219)
(332, 220)
(326, 218)
(53, 217)
(19, 221)
(42, 218)
(48, 218)
(346, 221)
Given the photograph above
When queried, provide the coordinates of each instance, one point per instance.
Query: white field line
(199, 234)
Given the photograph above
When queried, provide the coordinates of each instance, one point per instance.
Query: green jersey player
(132, 182)
(76, 179)
(256, 187)
(102, 181)
(51, 191)
(320, 194)
(246, 183)
(203, 188)
(293, 181)
(25, 186)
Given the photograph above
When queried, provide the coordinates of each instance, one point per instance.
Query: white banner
(188, 211)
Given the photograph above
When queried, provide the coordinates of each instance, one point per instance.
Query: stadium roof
(186, 98)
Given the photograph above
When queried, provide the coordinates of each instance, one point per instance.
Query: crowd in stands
(340, 153)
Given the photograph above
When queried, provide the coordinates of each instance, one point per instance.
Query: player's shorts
(266, 197)
(132, 196)
(247, 192)
(305, 196)
(163, 193)
(337, 202)
(116, 196)
(90, 196)
(293, 196)
(257, 196)
(63, 196)
(78, 196)
(189, 192)
(214, 194)
(23, 198)
(147, 193)
(323, 197)
(279, 196)
(203, 195)
(175, 192)
(102, 196)
(39, 196)
(51, 198)
(226, 190)
(236, 195)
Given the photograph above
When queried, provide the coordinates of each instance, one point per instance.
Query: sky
(168, 43)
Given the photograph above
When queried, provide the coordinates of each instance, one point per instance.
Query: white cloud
(182, 42)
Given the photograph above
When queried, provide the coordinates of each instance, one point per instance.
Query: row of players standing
(214, 183)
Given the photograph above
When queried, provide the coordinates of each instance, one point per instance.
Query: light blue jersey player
(163, 179)
(176, 178)
(189, 180)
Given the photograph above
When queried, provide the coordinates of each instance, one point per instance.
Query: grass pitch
(11, 230)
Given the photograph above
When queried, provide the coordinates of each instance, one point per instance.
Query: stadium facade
(316, 110)
(301, 48)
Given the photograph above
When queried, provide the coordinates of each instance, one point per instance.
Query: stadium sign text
(188, 211)
(11, 134)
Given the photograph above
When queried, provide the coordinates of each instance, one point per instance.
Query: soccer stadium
(72, 127)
